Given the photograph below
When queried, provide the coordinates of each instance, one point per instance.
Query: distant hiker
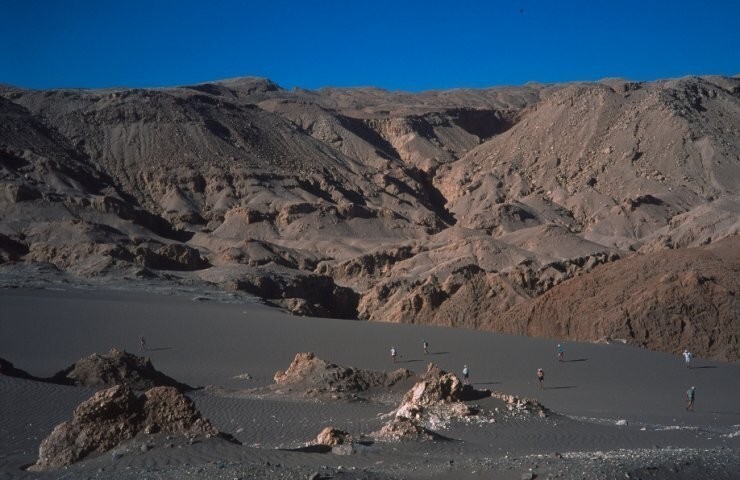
(690, 397)
(687, 358)
(541, 377)
(561, 353)
(426, 347)
(142, 342)
(393, 354)
(466, 374)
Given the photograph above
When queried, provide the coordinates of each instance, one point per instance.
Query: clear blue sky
(407, 45)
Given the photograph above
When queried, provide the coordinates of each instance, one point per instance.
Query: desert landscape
(259, 407)
(272, 245)
(464, 208)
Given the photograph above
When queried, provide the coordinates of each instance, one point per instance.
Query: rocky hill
(492, 208)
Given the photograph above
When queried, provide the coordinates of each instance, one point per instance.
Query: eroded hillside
(476, 208)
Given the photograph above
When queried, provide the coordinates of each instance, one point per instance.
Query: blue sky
(398, 45)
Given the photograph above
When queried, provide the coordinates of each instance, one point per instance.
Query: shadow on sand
(158, 349)
(576, 360)
(560, 388)
(486, 383)
(310, 449)
(438, 353)
(705, 366)
(413, 360)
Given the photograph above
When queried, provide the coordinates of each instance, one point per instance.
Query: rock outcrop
(522, 405)
(686, 296)
(439, 394)
(433, 401)
(116, 415)
(402, 429)
(311, 376)
(300, 292)
(332, 437)
(117, 367)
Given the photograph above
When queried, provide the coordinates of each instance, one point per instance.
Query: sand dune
(210, 342)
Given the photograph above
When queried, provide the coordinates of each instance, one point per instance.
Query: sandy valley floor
(209, 339)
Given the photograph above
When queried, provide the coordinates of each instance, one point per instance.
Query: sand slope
(212, 342)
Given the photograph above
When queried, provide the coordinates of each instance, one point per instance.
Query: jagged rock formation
(434, 400)
(454, 208)
(115, 368)
(115, 415)
(438, 393)
(310, 376)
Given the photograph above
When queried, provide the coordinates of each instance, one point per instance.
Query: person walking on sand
(426, 347)
(466, 374)
(541, 377)
(393, 354)
(142, 343)
(690, 397)
(561, 353)
(687, 358)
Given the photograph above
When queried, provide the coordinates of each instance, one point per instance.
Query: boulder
(169, 411)
(98, 424)
(437, 390)
(436, 385)
(115, 415)
(332, 437)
